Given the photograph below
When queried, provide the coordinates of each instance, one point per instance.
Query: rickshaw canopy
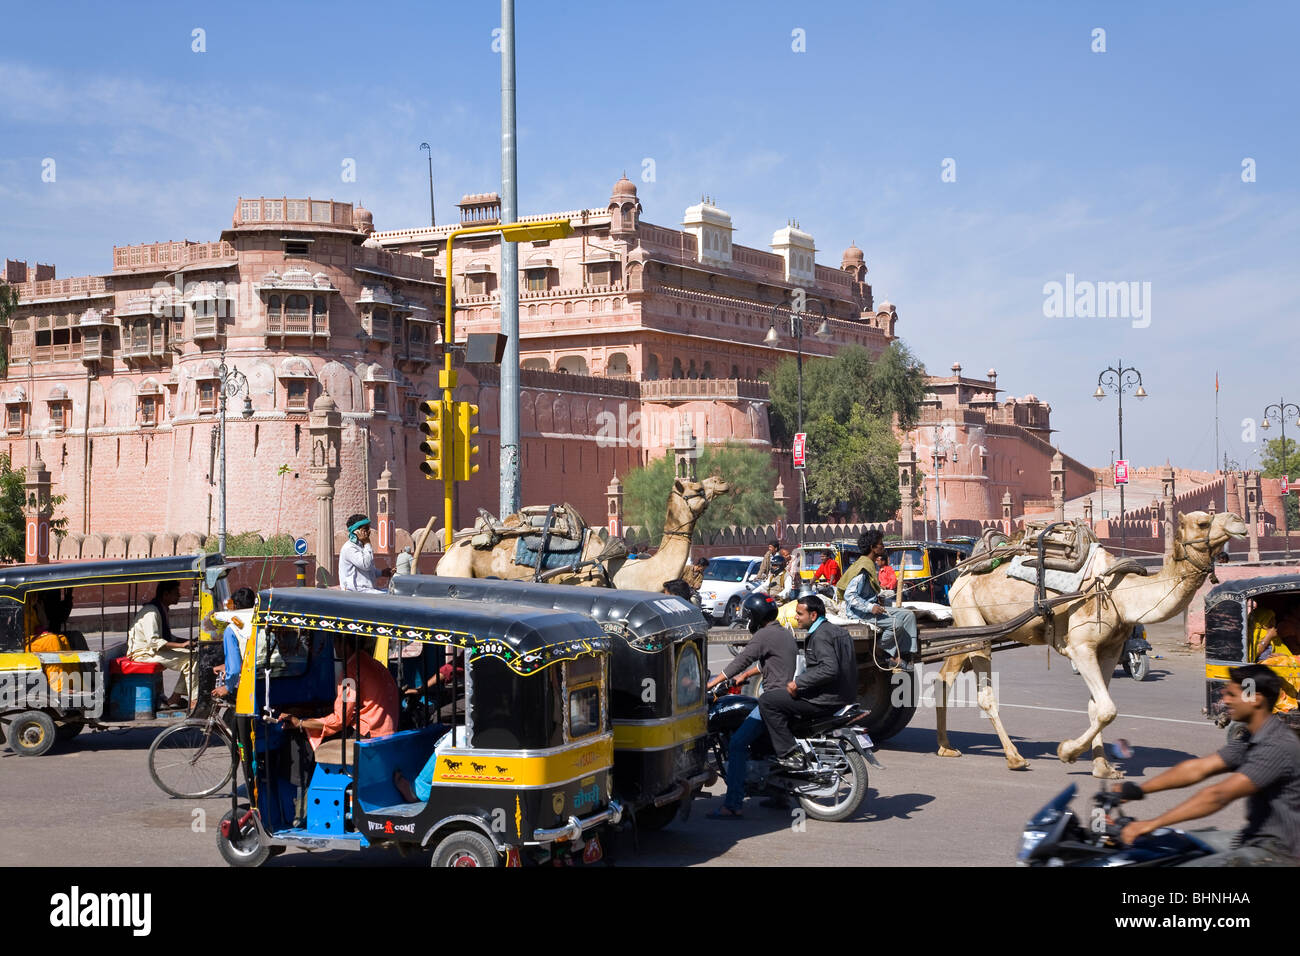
(20, 580)
(526, 639)
(644, 620)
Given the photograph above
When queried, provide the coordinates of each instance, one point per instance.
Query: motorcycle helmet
(760, 610)
(777, 564)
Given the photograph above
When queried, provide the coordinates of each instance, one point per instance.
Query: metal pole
(1123, 540)
(433, 218)
(1286, 525)
(221, 522)
(509, 395)
(797, 323)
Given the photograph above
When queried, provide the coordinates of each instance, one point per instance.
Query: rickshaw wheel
(241, 850)
(31, 733)
(466, 848)
(656, 818)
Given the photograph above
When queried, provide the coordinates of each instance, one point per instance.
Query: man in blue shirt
(232, 640)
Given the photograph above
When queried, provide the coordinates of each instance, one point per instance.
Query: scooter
(833, 784)
(1055, 836)
(1136, 663)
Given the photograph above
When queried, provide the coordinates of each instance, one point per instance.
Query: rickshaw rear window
(909, 559)
(690, 688)
(510, 712)
(584, 710)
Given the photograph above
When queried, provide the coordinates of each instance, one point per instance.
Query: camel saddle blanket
(527, 548)
(1025, 568)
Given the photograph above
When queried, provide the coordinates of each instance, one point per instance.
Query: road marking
(1066, 710)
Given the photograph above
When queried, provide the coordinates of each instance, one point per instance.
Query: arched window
(677, 368)
(318, 305)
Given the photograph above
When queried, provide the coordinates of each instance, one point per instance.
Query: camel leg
(1101, 767)
(1085, 657)
(947, 674)
(983, 667)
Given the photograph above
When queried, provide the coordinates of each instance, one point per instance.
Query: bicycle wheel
(192, 759)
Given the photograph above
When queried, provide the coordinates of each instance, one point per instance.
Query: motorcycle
(1055, 836)
(833, 784)
(1136, 663)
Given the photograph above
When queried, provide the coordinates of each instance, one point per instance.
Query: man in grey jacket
(829, 682)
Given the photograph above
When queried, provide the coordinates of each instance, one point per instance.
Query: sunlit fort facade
(629, 331)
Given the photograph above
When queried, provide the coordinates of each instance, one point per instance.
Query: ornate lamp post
(796, 331)
(939, 452)
(231, 381)
(1280, 411)
(1120, 380)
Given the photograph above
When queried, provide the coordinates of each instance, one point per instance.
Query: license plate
(592, 852)
(864, 742)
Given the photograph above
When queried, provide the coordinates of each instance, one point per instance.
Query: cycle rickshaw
(518, 760)
(656, 695)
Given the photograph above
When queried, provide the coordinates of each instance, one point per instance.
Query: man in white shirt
(150, 641)
(357, 559)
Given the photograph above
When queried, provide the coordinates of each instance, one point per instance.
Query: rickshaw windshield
(907, 559)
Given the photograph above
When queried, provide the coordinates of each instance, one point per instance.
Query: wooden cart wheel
(891, 698)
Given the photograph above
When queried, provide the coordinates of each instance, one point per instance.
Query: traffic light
(436, 446)
(466, 450)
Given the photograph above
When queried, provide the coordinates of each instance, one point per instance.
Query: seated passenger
(49, 639)
(233, 641)
(380, 705)
(150, 641)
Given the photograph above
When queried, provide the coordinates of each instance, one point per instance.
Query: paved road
(95, 805)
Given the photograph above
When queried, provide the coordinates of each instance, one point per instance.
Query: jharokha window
(148, 410)
(14, 418)
(297, 395)
(208, 395)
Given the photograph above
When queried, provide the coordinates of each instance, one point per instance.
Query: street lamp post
(796, 331)
(1281, 410)
(939, 452)
(231, 381)
(1120, 380)
(433, 220)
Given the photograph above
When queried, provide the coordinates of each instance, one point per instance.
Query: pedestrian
(357, 559)
(405, 561)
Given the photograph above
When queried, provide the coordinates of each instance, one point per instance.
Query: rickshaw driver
(150, 641)
(1265, 769)
(380, 701)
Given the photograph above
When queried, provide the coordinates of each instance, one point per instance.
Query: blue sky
(1122, 166)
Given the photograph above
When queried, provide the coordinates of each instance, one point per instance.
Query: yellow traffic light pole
(450, 417)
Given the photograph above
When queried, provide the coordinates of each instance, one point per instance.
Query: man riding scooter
(771, 651)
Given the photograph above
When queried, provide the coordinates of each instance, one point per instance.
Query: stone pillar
(385, 499)
(684, 451)
(1006, 513)
(1167, 492)
(1058, 487)
(325, 428)
(907, 486)
(614, 495)
(778, 495)
(1087, 511)
(1252, 514)
(37, 510)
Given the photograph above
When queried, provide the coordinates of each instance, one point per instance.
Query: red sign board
(1286, 486)
(1121, 471)
(800, 439)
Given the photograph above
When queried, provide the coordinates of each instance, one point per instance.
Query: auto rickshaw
(1237, 619)
(50, 696)
(807, 558)
(928, 568)
(518, 759)
(656, 695)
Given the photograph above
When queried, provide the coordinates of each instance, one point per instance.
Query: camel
(1090, 631)
(686, 503)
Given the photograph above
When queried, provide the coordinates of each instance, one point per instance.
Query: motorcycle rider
(829, 682)
(771, 651)
(1265, 769)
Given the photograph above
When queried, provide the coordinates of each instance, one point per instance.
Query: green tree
(1276, 460)
(13, 523)
(749, 502)
(849, 405)
(8, 303)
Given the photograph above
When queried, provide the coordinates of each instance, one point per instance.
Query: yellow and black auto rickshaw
(657, 689)
(1251, 621)
(512, 764)
(52, 684)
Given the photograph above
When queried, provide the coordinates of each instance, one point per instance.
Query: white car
(725, 586)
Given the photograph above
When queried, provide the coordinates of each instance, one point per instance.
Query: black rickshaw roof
(526, 639)
(645, 620)
(1245, 588)
(17, 581)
